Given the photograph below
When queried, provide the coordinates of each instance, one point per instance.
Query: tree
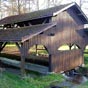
(0, 10)
(84, 6)
(14, 7)
(51, 3)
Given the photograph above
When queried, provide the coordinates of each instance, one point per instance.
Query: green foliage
(86, 59)
(8, 80)
(34, 80)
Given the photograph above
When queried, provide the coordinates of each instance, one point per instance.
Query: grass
(8, 80)
(86, 60)
(84, 85)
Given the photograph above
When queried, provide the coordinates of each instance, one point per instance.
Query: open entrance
(10, 51)
(38, 54)
(74, 47)
(64, 47)
(9, 56)
(36, 60)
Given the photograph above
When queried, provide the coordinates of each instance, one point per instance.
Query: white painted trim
(54, 14)
(85, 25)
(70, 5)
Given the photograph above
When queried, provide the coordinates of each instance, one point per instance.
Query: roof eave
(82, 13)
(54, 14)
(70, 5)
(25, 38)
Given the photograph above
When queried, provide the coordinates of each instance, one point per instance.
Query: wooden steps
(28, 66)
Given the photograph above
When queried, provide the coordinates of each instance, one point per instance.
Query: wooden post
(2, 45)
(22, 61)
(22, 65)
(50, 64)
(36, 50)
(70, 45)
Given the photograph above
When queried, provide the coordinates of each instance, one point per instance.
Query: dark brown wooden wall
(66, 60)
(69, 30)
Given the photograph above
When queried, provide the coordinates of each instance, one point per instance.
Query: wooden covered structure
(52, 28)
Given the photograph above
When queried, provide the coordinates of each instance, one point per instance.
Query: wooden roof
(40, 14)
(24, 33)
(31, 15)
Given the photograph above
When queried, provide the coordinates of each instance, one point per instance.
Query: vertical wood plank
(23, 73)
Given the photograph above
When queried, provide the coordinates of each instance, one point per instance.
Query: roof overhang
(38, 32)
(44, 13)
(24, 33)
(57, 12)
(78, 10)
(80, 14)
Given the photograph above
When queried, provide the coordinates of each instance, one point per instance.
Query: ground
(8, 80)
(34, 80)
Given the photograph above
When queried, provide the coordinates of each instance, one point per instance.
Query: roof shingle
(24, 33)
(32, 15)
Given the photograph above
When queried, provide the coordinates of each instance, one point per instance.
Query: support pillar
(70, 45)
(23, 73)
(2, 45)
(50, 63)
(22, 64)
(36, 49)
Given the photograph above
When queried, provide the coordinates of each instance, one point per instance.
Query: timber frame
(50, 28)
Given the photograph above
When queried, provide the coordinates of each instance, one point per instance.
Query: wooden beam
(3, 45)
(44, 21)
(22, 65)
(70, 45)
(40, 31)
(7, 40)
(50, 64)
(36, 49)
(46, 49)
(18, 45)
(23, 73)
(28, 66)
